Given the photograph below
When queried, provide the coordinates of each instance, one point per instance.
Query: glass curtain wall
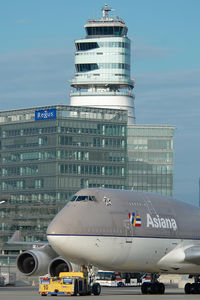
(150, 158)
(48, 154)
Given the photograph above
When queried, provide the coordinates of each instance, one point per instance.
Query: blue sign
(45, 114)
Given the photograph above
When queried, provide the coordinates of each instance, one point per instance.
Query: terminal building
(49, 153)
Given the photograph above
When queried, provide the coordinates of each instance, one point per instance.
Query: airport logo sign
(135, 219)
(161, 223)
(45, 114)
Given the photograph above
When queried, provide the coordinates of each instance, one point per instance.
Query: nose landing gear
(153, 287)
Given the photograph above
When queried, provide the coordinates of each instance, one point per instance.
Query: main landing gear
(153, 287)
(193, 288)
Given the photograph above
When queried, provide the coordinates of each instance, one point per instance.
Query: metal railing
(102, 93)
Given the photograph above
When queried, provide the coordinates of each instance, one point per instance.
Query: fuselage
(126, 231)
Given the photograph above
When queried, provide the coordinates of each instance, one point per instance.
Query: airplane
(122, 231)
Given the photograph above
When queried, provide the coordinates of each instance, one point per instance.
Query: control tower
(102, 66)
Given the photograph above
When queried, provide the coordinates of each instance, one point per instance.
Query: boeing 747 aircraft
(123, 231)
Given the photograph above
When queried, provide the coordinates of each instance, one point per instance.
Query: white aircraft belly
(121, 254)
(112, 252)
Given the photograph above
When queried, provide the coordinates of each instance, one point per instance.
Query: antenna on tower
(105, 11)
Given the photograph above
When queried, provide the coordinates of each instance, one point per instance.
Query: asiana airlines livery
(124, 231)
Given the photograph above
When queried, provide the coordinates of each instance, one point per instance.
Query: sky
(37, 62)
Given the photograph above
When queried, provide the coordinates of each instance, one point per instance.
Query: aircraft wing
(16, 239)
(179, 256)
(192, 255)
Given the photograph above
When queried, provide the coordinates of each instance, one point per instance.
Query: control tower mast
(102, 64)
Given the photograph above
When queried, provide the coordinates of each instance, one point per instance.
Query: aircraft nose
(58, 233)
(60, 223)
(63, 230)
(67, 221)
(53, 227)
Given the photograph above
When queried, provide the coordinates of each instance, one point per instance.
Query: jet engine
(35, 262)
(38, 262)
(60, 264)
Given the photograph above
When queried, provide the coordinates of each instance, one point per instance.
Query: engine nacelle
(60, 264)
(35, 262)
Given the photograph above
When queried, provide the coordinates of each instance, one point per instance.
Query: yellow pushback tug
(68, 283)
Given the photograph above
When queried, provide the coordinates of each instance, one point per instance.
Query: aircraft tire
(195, 288)
(96, 289)
(144, 288)
(187, 288)
(198, 288)
(161, 288)
(157, 288)
(89, 293)
(154, 288)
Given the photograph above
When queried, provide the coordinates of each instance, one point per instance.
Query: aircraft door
(128, 231)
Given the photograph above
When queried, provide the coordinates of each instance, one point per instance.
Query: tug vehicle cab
(68, 283)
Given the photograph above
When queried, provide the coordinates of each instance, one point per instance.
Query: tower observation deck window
(86, 67)
(91, 67)
(86, 46)
(106, 30)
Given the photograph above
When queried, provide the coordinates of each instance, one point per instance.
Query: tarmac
(31, 293)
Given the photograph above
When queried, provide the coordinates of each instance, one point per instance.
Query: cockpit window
(82, 198)
(73, 198)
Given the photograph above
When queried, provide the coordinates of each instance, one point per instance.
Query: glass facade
(81, 46)
(102, 60)
(91, 67)
(106, 30)
(150, 158)
(46, 159)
